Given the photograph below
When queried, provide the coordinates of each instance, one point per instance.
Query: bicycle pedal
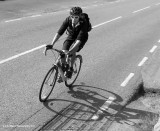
(60, 80)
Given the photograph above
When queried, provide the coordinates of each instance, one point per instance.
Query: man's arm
(60, 31)
(56, 37)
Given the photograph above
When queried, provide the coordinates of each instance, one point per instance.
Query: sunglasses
(74, 17)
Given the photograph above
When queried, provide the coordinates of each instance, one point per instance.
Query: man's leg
(73, 51)
(65, 48)
(66, 45)
(76, 48)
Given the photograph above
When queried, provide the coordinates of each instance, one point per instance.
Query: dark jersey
(79, 32)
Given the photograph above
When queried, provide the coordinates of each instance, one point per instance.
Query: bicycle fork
(58, 63)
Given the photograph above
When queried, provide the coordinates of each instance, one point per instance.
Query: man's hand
(49, 47)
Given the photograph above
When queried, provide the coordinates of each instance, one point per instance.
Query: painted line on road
(104, 107)
(157, 4)
(115, 1)
(35, 15)
(141, 9)
(125, 82)
(143, 61)
(153, 49)
(107, 22)
(13, 20)
(21, 54)
(39, 47)
(38, 15)
(159, 41)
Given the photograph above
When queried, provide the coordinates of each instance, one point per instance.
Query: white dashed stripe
(26, 52)
(107, 21)
(35, 16)
(153, 49)
(104, 107)
(124, 83)
(143, 61)
(16, 56)
(141, 9)
(13, 20)
(157, 4)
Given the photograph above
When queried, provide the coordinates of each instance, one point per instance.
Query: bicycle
(50, 79)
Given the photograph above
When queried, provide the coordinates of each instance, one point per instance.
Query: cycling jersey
(79, 32)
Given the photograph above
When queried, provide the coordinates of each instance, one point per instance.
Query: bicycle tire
(54, 70)
(69, 84)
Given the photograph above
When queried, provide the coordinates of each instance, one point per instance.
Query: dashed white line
(141, 9)
(159, 41)
(35, 15)
(125, 82)
(26, 52)
(13, 20)
(107, 22)
(157, 4)
(104, 107)
(115, 2)
(143, 61)
(153, 49)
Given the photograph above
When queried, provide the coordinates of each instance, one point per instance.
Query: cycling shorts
(68, 43)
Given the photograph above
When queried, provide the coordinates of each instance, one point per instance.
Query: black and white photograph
(79, 65)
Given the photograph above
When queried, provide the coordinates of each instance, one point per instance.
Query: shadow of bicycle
(139, 119)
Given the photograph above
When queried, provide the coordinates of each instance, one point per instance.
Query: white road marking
(13, 20)
(124, 83)
(57, 12)
(29, 51)
(21, 54)
(153, 49)
(104, 107)
(143, 61)
(141, 9)
(107, 21)
(115, 1)
(159, 41)
(35, 15)
(157, 4)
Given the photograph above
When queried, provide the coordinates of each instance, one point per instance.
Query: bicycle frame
(58, 61)
(60, 68)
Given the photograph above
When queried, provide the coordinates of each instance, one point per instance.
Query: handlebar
(57, 50)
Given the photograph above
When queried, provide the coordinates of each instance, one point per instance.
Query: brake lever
(45, 52)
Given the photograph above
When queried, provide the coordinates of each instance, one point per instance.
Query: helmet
(75, 11)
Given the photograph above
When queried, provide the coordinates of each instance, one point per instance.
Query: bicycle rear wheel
(48, 84)
(76, 69)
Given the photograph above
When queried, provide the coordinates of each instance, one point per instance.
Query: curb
(151, 78)
(151, 73)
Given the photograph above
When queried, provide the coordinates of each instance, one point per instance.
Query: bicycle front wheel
(48, 84)
(76, 69)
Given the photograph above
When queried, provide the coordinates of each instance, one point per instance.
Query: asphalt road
(123, 34)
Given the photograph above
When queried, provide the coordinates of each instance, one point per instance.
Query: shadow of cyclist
(93, 99)
(139, 119)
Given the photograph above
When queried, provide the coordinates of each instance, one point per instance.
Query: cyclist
(76, 27)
